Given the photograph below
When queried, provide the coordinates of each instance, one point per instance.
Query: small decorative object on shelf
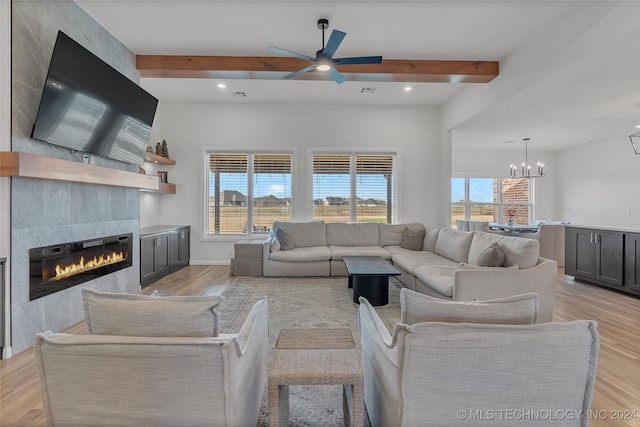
(165, 149)
(149, 149)
(163, 176)
(159, 149)
(142, 171)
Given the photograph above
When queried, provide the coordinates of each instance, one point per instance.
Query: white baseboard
(209, 262)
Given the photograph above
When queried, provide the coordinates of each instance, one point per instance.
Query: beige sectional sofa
(445, 267)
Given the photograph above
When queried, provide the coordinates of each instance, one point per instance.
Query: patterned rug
(303, 302)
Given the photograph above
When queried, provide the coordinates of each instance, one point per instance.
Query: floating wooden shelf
(26, 165)
(167, 188)
(154, 158)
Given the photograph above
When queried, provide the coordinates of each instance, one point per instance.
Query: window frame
(353, 187)
(251, 153)
(500, 206)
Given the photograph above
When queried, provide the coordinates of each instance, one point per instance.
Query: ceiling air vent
(367, 90)
(239, 94)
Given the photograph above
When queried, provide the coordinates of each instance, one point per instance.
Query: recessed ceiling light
(408, 89)
(221, 85)
(638, 127)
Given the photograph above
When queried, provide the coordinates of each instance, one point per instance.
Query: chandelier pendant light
(525, 170)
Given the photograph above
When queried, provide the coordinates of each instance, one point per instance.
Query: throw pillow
(516, 310)
(493, 256)
(413, 237)
(275, 244)
(285, 239)
(151, 316)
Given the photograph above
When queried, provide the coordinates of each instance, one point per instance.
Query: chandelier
(525, 171)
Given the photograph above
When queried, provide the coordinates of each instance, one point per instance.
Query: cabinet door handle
(590, 237)
(595, 237)
(158, 242)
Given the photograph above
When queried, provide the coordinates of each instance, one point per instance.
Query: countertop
(605, 228)
(159, 229)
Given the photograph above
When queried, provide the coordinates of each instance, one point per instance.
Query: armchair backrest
(430, 373)
(163, 381)
(492, 368)
(551, 238)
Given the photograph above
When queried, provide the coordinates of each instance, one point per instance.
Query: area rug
(303, 302)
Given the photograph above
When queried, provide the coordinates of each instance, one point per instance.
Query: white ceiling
(586, 99)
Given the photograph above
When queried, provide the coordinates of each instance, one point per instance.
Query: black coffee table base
(374, 288)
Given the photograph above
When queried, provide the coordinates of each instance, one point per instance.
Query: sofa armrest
(266, 249)
(487, 284)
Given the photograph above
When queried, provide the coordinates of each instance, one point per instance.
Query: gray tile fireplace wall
(49, 212)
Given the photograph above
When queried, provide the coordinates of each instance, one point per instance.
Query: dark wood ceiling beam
(272, 68)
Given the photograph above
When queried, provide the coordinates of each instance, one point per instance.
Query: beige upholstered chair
(461, 374)
(465, 225)
(155, 381)
(551, 238)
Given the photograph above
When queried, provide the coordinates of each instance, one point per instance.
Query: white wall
(150, 202)
(599, 185)
(189, 128)
(471, 163)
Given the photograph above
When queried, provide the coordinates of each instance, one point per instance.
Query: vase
(510, 222)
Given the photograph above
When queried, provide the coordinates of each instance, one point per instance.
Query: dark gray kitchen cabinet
(596, 256)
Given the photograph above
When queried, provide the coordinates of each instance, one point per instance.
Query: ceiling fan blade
(290, 53)
(359, 60)
(333, 43)
(297, 73)
(335, 75)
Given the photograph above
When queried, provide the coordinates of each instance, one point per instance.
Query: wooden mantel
(26, 165)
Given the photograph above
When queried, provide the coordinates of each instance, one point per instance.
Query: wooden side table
(247, 258)
(316, 357)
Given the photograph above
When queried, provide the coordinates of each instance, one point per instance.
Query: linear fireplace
(58, 267)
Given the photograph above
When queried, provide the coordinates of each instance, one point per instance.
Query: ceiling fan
(324, 60)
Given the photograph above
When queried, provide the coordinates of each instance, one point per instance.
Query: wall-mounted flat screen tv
(88, 106)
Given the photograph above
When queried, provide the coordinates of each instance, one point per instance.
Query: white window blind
(228, 192)
(331, 187)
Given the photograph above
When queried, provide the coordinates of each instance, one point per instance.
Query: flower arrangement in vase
(510, 213)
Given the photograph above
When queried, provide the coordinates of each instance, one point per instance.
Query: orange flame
(82, 265)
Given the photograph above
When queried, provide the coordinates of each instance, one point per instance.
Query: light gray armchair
(465, 225)
(155, 381)
(551, 238)
(461, 374)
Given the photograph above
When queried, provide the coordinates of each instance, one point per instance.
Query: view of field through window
(235, 199)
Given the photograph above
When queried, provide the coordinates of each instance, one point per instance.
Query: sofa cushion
(343, 234)
(413, 237)
(149, 316)
(315, 253)
(430, 239)
(337, 252)
(305, 234)
(517, 250)
(391, 234)
(465, 266)
(284, 239)
(454, 244)
(409, 260)
(438, 278)
(515, 310)
(491, 257)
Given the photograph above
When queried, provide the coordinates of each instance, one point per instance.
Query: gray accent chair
(155, 381)
(462, 374)
(468, 225)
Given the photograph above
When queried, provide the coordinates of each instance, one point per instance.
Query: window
(353, 188)
(490, 199)
(247, 188)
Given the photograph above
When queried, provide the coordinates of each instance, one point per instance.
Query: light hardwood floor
(617, 389)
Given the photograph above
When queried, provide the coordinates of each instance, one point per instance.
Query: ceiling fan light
(323, 66)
